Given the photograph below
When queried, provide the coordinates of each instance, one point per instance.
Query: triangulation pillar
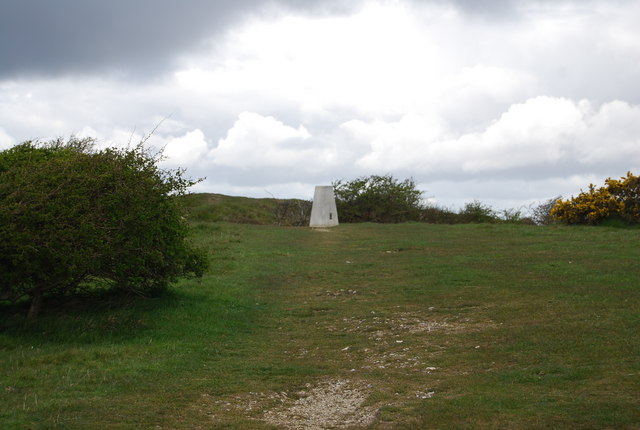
(324, 212)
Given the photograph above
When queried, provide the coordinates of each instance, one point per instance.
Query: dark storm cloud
(50, 38)
(44, 37)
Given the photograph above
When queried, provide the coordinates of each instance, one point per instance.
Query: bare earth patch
(331, 404)
(379, 328)
(395, 343)
(398, 341)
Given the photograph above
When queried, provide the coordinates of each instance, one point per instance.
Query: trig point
(324, 212)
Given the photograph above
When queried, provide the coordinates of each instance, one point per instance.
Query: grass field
(410, 326)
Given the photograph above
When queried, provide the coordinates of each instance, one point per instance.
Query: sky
(509, 102)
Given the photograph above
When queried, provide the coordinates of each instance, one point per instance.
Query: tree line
(389, 200)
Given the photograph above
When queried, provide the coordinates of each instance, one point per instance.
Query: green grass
(206, 207)
(506, 326)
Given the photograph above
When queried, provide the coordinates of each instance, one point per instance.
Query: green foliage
(432, 214)
(473, 213)
(73, 217)
(477, 212)
(207, 207)
(617, 199)
(378, 199)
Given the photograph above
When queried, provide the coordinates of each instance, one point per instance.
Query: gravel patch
(332, 404)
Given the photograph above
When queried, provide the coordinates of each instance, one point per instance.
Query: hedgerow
(378, 198)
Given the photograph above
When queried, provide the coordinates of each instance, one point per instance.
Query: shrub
(618, 199)
(378, 199)
(436, 215)
(541, 213)
(477, 212)
(294, 212)
(72, 217)
(514, 216)
(474, 212)
(627, 191)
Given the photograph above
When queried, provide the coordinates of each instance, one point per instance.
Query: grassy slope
(526, 327)
(242, 210)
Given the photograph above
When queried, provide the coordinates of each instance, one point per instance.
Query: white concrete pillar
(324, 212)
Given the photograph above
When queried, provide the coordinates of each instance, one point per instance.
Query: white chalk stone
(324, 212)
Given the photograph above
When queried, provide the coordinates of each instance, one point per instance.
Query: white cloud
(6, 141)
(528, 134)
(396, 145)
(370, 61)
(612, 135)
(187, 150)
(259, 141)
(546, 96)
(544, 132)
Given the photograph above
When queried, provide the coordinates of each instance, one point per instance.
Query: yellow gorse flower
(617, 198)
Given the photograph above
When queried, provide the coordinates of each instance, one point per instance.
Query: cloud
(611, 136)
(134, 38)
(321, 63)
(187, 150)
(257, 141)
(551, 135)
(537, 132)
(487, 99)
(91, 36)
(6, 141)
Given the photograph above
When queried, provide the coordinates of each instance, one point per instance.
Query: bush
(473, 212)
(541, 213)
(514, 216)
(477, 212)
(72, 217)
(617, 199)
(378, 199)
(295, 213)
(432, 214)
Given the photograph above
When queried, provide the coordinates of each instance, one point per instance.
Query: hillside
(363, 326)
(208, 207)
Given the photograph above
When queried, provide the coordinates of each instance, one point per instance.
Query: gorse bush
(617, 199)
(72, 217)
(378, 199)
